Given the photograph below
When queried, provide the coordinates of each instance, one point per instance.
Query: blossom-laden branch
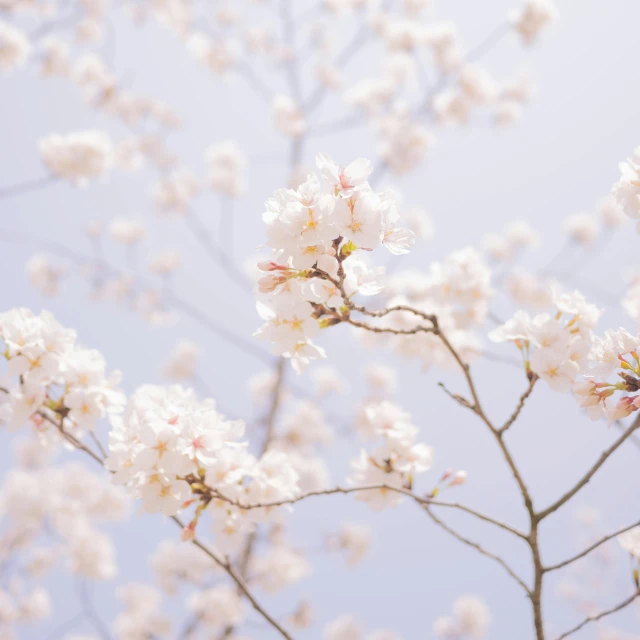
(600, 616)
(56, 414)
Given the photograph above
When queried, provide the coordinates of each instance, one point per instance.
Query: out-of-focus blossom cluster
(395, 462)
(627, 190)
(457, 290)
(348, 627)
(470, 619)
(50, 517)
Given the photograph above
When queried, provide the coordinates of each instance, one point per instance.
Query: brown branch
(374, 487)
(478, 548)
(592, 471)
(523, 399)
(604, 614)
(274, 406)
(249, 546)
(231, 572)
(591, 548)
(224, 564)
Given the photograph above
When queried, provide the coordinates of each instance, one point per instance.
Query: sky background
(560, 159)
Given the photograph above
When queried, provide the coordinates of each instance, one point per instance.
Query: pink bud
(270, 265)
(446, 475)
(268, 283)
(37, 420)
(189, 532)
(460, 477)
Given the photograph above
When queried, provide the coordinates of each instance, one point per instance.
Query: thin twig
(373, 487)
(478, 548)
(523, 398)
(604, 614)
(231, 572)
(592, 471)
(26, 187)
(591, 548)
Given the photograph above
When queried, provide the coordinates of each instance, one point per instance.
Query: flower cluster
(14, 47)
(218, 607)
(616, 352)
(456, 290)
(280, 567)
(59, 383)
(173, 450)
(627, 190)
(395, 462)
(50, 517)
(314, 233)
(555, 347)
(532, 18)
(470, 618)
(353, 540)
(175, 564)
(347, 627)
(227, 166)
(142, 616)
(78, 157)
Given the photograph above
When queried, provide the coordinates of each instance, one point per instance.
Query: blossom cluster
(555, 347)
(173, 451)
(348, 627)
(58, 381)
(77, 157)
(627, 190)
(561, 347)
(470, 618)
(395, 462)
(456, 290)
(314, 233)
(143, 616)
(51, 517)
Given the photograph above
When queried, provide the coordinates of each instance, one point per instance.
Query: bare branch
(478, 548)
(604, 614)
(276, 397)
(591, 548)
(374, 487)
(203, 235)
(26, 187)
(592, 471)
(523, 398)
(231, 572)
